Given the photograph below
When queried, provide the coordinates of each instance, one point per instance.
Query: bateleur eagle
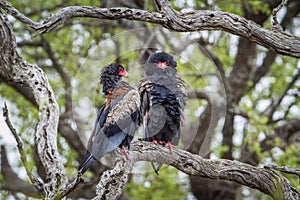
(117, 119)
(163, 96)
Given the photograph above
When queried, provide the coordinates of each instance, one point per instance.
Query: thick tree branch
(265, 180)
(197, 20)
(17, 70)
(112, 182)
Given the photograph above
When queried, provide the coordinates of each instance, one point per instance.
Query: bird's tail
(86, 162)
(157, 167)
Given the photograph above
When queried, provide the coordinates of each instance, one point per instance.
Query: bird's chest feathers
(113, 95)
(160, 94)
(108, 99)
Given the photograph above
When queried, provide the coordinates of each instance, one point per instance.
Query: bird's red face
(123, 72)
(162, 65)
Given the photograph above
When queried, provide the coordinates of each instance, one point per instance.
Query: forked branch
(169, 18)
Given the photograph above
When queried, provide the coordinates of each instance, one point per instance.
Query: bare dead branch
(197, 20)
(10, 9)
(275, 23)
(70, 187)
(25, 162)
(112, 182)
(292, 11)
(265, 180)
(285, 169)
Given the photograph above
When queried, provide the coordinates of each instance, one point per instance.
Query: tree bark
(198, 20)
(266, 180)
(16, 70)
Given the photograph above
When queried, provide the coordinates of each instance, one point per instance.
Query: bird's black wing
(181, 96)
(143, 89)
(119, 123)
(88, 158)
(114, 126)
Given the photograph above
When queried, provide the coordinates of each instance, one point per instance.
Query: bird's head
(122, 72)
(162, 60)
(114, 70)
(111, 75)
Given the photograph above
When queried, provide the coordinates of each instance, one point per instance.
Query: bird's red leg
(170, 146)
(125, 152)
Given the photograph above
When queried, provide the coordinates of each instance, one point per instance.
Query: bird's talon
(170, 146)
(155, 141)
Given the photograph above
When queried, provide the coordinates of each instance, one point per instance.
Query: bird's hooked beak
(123, 73)
(162, 65)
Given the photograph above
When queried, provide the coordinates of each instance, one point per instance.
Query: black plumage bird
(117, 118)
(162, 101)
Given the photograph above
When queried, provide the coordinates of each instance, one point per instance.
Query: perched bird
(117, 119)
(162, 95)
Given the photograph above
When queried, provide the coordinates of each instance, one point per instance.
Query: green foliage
(83, 48)
(151, 186)
(259, 7)
(68, 157)
(233, 6)
(220, 150)
(292, 152)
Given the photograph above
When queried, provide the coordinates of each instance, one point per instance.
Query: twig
(276, 25)
(72, 186)
(272, 108)
(33, 179)
(285, 169)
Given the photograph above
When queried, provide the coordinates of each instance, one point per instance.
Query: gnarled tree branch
(15, 69)
(197, 20)
(265, 180)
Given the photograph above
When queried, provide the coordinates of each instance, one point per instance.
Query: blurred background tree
(243, 99)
